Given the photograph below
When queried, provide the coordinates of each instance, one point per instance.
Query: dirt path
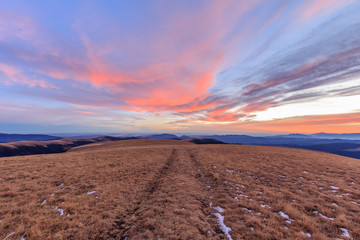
(175, 205)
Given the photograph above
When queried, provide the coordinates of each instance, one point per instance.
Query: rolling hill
(171, 189)
(21, 148)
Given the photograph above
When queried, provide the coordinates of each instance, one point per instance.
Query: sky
(204, 66)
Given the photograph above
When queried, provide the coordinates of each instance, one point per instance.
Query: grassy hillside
(168, 189)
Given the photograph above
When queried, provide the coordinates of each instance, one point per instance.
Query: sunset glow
(188, 66)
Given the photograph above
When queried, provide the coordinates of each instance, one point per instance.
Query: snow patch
(248, 210)
(219, 209)
(323, 216)
(61, 211)
(264, 205)
(92, 192)
(307, 234)
(288, 219)
(345, 233)
(223, 227)
(333, 187)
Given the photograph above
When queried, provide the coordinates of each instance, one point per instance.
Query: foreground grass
(143, 189)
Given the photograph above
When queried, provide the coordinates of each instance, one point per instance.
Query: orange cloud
(334, 123)
(89, 113)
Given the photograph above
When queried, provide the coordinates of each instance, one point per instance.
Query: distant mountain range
(5, 138)
(341, 144)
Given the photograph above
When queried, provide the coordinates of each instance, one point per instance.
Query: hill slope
(45, 147)
(154, 189)
(5, 138)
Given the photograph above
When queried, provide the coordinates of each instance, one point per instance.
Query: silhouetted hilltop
(4, 137)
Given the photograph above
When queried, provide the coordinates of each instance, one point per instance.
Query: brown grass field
(168, 189)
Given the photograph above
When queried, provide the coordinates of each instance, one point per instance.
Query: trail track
(177, 195)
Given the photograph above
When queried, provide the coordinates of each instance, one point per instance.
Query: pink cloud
(312, 8)
(15, 75)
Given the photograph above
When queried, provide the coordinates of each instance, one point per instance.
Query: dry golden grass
(160, 189)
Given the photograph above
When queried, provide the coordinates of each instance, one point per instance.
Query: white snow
(323, 216)
(243, 195)
(214, 166)
(251, 229)
(62, 184)
(345, 233)
(264, 205)
(288, 219)
(52, 194)
(219, 209)
(321, 188)
(22, 238)
(223, 227)
(283, 215)
(301, 178)
(248, 210)
(9, 235)
(333, 187)
(61, 211)
(282, 176)
(355, 203)
(43, 202)
(307, 234)
(68, 215)
(92, 192)
(236, 198)
(306, 172)
(334, 204)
